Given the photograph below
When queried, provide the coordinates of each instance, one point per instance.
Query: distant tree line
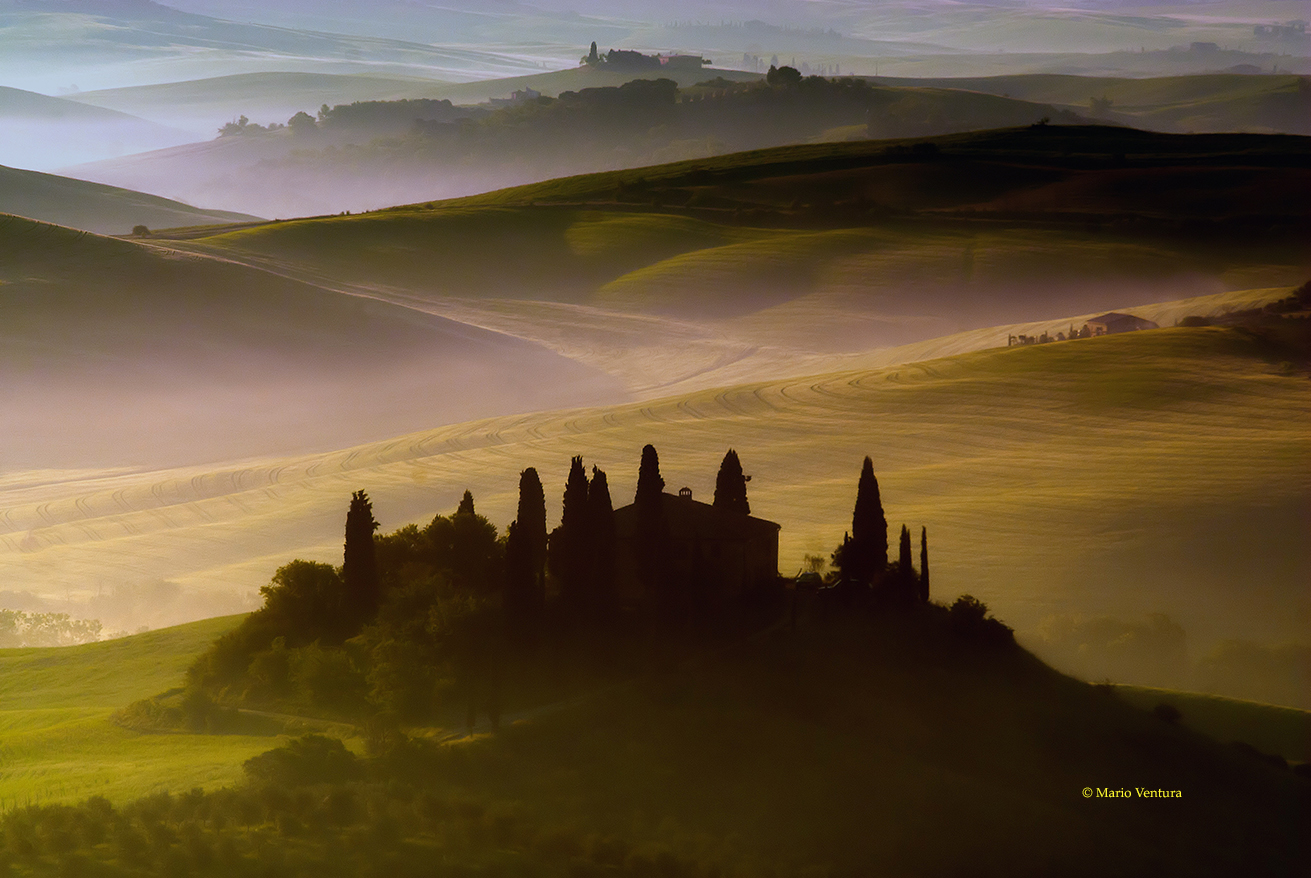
(646, 121)
(19, 629)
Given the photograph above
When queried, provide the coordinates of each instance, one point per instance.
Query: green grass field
(106, 210)
(57, 743)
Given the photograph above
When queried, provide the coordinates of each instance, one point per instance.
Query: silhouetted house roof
(710, 548)
(1114, 322)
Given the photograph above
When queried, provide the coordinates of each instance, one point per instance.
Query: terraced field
(1160, 472)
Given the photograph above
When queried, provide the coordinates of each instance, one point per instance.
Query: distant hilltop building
(628, 61)
(1109, 324)
(706, 544)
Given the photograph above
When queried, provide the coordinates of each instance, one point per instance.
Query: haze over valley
(1029, 279)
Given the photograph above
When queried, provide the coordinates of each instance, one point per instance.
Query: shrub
(969, 620)
(309, 759)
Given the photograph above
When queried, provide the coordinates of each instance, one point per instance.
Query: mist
(182, 360)
(133, 366)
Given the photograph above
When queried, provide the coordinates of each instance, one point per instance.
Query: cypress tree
(904, 565)
(466, 504)
(731, 486)
(924, 565)
(569, 555)
(592, 56)
(519, 584)
(531, 520)
(359, 569)
(650, 485)
(869, 528)
(652, 537)
(601, 542)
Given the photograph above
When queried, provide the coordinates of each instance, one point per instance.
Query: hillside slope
(94, 207)
(1204, 102)
(852, 748)
(828, 248)
(205, 105)
(60, 744)
(45, 132)
(180, 358)
(608, 120)
(849, 743)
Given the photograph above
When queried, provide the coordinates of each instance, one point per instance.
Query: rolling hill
(827, 248)
(671, 284)
(850, 743)
(612, 120)
(1284, 731)
(205, 105)
(860, 748)
(1159, 472)
(1184, 104)
(37, 131)
(94, 207)
(59, 742)
(181, 358)
(140, 43)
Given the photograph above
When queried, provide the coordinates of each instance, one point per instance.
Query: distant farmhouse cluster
(450, 606)
(1107, 324)
(628, 61)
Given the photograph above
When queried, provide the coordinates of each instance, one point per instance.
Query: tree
(568, 547)
(302, 123)
(650, 484)
(465, 546)
(783, 77)
(592, 56)
(519, 583)
(306, 601)
(924, 565)
(531, 521)
(359, 569)
(652, 538)
(140, 231)
(731, 486)
(864, 556)
(905, 569)
(601, 542)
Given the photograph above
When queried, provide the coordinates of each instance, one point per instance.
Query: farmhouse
(1109, 324)
(724, 550)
